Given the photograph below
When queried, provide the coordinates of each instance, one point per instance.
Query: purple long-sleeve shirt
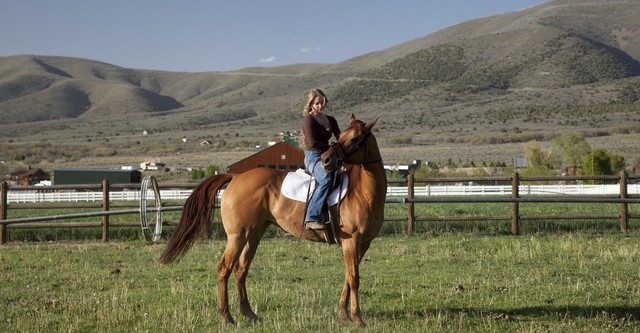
(316, 135)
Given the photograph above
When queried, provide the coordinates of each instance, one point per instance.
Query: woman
(317, 128)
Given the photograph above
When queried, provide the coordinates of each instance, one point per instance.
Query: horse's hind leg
(229, 259)
(242, 269)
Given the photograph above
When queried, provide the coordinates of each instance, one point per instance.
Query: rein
(341, 160)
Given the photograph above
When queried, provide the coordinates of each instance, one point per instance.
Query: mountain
(563, 65)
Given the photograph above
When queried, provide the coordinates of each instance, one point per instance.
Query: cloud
(309, 49)
(268, 60)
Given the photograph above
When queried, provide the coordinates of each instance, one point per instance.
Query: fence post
(624, 207)
(105, 208)
(3, 212)
(411, 214)
(515, 206)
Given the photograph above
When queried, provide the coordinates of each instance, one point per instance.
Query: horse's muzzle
(332, 162)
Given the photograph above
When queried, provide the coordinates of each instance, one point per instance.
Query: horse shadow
(568, 312)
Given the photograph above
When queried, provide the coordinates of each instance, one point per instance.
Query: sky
(215, 35)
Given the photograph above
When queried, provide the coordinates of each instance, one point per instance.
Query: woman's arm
(335, 128)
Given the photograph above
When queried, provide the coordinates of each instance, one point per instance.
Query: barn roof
(26, 172)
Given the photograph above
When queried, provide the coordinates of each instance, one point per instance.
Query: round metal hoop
(144, 188)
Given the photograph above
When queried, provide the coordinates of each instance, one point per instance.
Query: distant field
(625, 145)
(578, 282)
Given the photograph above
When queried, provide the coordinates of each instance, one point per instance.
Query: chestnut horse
(252, 201)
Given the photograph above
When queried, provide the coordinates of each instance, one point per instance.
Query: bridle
(339, 149)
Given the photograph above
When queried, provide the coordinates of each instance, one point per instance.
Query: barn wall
(281, 156)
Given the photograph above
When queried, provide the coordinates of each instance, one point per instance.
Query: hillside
(564, 65)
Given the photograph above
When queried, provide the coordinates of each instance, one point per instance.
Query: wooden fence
(514, 198)
(622, 198)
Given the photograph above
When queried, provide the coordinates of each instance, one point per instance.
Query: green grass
(389, 228)
(426, 283)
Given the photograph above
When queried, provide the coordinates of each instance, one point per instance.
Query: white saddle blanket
(296, 187)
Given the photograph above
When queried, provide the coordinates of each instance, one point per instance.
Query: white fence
(86, 196)
(419, 191)
(461, 190)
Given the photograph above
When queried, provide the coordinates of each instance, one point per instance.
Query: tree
(221, 143)
(197, 173)
(539, 160)
(212, 169)
(572, 147)
(601, 162)
(426, 171)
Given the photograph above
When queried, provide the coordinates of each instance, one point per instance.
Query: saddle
(299, 186)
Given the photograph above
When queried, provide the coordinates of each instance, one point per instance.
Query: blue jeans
(323, 185)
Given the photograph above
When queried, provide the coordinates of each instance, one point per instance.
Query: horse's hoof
(230, 321)
(250, 315)
(361, 324)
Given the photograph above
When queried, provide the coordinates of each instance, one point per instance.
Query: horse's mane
(355, 169)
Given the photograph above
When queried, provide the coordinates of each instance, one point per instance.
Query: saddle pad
(296, 187)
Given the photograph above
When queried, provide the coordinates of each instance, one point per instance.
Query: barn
(95, 176)
(28, 176)
(280, 156)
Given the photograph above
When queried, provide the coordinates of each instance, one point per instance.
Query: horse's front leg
(344, 298)
(351, 252)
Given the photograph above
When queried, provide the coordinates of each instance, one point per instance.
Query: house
(153, 166)
(280, 156)
(28, 176)
(403, 169)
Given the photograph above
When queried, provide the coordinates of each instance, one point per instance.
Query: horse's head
(351, 146)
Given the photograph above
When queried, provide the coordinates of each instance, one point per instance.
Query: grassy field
(392, 210)
(571, 282)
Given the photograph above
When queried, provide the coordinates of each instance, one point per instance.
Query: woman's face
(317, 105)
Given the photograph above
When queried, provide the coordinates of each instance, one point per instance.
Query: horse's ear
(352, 119)
(371, 123)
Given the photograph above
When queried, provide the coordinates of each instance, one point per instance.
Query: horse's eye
(354, 140)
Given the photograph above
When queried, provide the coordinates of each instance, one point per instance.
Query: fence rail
(44, 196)
(467, 190)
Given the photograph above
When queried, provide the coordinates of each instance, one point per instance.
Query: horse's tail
(196, 214)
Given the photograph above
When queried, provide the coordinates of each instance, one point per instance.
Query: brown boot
(313, 225)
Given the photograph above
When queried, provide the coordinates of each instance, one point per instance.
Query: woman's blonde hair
(311, 96)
